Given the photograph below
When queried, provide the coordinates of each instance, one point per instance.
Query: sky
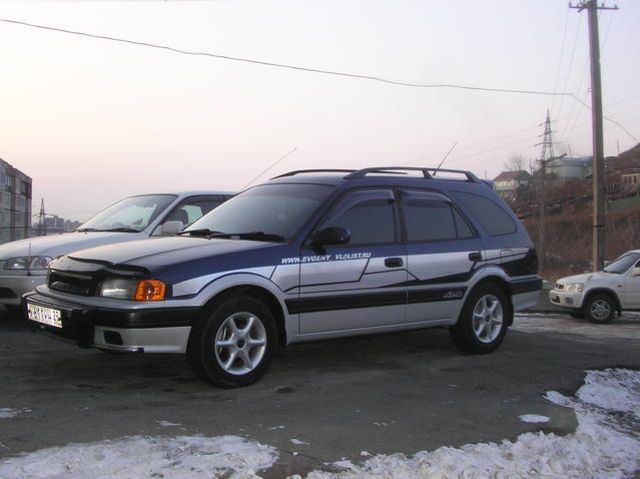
(92, 121)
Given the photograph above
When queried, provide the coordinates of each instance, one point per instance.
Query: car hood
(56, 245)
(584, 278)
(177, 258)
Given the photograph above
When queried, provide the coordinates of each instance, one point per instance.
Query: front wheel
(600, 308)
(233, 343)
(483, 322)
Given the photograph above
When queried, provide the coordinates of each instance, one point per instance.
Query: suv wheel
(482, 324)
(600, 308)
(233, 343)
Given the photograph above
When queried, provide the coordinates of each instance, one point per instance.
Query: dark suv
(307, 255)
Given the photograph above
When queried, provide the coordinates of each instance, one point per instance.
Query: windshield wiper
(250, 235)
(200, 232)
(122, 229)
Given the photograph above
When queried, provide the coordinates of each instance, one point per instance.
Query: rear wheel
(233, 343)
(483, 322)
(600, 308)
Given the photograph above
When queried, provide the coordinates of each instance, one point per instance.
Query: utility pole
(42, 225)
(598, 137)
(545, 155)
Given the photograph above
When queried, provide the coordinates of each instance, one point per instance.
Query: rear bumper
(161, 330)
(525, 293)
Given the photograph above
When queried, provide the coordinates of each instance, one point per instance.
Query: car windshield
(269, 212)
(129, 215)
(623, 263)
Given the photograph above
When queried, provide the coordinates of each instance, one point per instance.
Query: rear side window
(369, 216)
(428, 218)
(493, 218)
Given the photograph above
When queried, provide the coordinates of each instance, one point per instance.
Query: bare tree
(516, 163)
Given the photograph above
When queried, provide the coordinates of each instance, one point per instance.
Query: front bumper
(159, 330)
(13, 286)
(561, 298)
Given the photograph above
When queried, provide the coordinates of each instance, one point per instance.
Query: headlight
(30, 263)
(574, 287)
(133, 289)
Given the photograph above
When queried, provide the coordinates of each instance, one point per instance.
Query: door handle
(393, 262)
(475, 256)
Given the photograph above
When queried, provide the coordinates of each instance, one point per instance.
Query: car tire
(600, 308)
(233, 342)
(484, 320)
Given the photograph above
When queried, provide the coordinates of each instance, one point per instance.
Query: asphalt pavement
(320, 402)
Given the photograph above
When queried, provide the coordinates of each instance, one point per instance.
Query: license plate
(41, 314)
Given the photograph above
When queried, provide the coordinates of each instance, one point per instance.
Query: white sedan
(23, 263)
(599, 296)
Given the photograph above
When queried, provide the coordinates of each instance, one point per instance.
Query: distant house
(630, 176)
(564, 168)
(625, 169)
(509, 183)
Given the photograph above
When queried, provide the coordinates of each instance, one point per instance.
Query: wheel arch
(600, 290)
(254, 291)
(501, 282)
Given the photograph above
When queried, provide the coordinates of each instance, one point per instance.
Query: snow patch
(8, 413)
(168, 424)
(558, 399)
(533, 418)
(602, 389)
(298, 442)
(602, 445)
(184, 457)
(606, 443)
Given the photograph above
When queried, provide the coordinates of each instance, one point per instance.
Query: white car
(23, 263)
(599, 296)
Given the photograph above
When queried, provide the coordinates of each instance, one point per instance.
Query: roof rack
(297, 172)
(429, 173)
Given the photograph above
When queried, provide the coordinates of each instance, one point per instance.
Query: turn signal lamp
(150, 290)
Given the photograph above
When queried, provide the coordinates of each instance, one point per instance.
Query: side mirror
(635, 271)
(171, 228)
(332, 235)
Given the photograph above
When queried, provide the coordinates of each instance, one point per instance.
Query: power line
(583, 77)
(314, 70)
(564, 38)
(573, 52)
(288, 66)
(476, 144)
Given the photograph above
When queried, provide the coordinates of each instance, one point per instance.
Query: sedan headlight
(574, 287)
(133, 289)
(27, 263)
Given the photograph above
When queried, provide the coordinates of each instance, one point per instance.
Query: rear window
(493, 218)
(428, 217)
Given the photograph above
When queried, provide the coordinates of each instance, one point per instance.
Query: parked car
(600, 296)
(307, 255)
(23, 263)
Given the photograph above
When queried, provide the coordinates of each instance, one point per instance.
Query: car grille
(72, 283)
